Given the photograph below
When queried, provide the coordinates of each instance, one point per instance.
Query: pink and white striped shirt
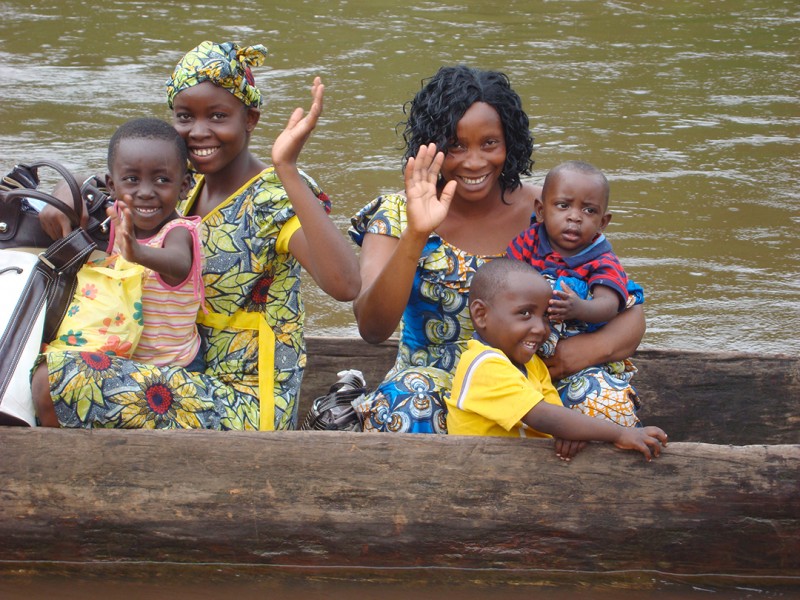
(170, 334)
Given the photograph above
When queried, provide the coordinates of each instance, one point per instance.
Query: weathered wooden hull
(350, 501)
(355, 500)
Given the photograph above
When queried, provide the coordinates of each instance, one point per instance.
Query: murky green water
(692, 109)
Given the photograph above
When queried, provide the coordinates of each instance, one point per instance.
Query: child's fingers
(645, 449)
(654, 446)
(567, 449)
(558, 443)
(657, 433)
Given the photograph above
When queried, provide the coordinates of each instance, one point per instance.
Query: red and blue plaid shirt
(596, 265)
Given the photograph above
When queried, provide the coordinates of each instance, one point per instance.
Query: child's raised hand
(287, 146)
(426, 209)
(563, 304)
(647, 440)
(124, 234)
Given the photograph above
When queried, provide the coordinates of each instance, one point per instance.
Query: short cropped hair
(435, 111)
(148, 129)
(580, 167)
(493, 277)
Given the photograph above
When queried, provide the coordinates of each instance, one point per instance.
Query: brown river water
(691, 108)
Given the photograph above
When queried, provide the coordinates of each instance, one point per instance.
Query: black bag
(19, 221)
(49, 283)
(55, 276)
(334, 411)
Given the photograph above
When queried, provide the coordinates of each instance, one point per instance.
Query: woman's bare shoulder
(531, 190)
(525, 196)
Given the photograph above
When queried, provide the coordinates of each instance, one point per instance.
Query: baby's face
(573, 211)
(515, 319)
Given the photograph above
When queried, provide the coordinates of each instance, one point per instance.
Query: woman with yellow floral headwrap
(260, 225)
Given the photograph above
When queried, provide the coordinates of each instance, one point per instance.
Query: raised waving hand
(287, 146)
(426, 206)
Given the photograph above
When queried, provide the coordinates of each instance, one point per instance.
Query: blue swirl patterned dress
(434, 329)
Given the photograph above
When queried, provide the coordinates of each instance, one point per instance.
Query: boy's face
(573, 211)
(150, 172)
(514, 319)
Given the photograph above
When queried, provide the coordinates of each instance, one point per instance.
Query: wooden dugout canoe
(723, 500)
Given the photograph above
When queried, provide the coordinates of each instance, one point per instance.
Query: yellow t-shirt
(490, 395)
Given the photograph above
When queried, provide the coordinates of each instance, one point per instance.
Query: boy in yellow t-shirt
(502, 388)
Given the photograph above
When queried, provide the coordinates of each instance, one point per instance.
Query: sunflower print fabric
(434, 329)
(245, 274)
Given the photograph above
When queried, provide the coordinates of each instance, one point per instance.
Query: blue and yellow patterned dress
(252, 335)
(434, 329)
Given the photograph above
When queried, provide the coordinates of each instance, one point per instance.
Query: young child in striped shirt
(567, 246)
(148, 175)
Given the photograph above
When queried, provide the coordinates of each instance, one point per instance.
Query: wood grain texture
(351, 499)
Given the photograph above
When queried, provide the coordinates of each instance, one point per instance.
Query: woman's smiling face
(215, 125)
(475, 159)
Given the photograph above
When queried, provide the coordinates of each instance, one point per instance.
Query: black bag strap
(69, 178)
(74, 213)
(73, 216)
(59, 266)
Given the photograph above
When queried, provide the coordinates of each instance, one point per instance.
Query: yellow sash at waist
(266, 356)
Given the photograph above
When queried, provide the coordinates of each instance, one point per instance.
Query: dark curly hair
(147, 128)
(437, 108)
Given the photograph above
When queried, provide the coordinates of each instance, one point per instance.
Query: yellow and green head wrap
(227, 65)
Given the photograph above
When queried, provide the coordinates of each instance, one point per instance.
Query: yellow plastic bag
(105, 314)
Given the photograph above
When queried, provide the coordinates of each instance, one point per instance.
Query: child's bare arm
(173, 261)
(566, 305)
(567, 424)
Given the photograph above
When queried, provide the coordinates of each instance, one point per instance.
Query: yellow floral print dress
(252, 334)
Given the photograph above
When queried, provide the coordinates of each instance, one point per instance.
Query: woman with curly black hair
(467, 145)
